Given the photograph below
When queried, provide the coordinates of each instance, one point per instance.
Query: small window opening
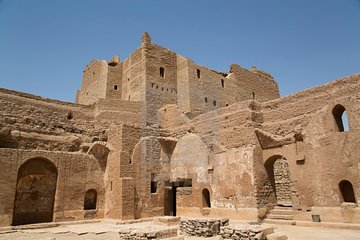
(153, 184)
(162, 72)
(128, 79)
(253, 95)
(129, 97)
(214, 103)
(206, 198)
(226, 104)
(110, 186)
(162, 88)
(93, 73)
(340, 116)
(115, 87)
(152, 85)
(70, 116)
(347, 191)
(157, 87)
(90, 200)
(222, 83)
(198, 73)
(206, 100)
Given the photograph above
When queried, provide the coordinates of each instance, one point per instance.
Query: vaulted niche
(35, 192)
(340, 117)
(347, 191)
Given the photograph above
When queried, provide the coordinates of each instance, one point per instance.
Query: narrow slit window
(222, 83)
(214, 103)
(162, 72)
(115, 87)
(198, 73)
(206, 100)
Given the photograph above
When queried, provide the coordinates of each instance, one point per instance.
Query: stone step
(283, 207)
(280, 216)
(282, 211)
(279, 222)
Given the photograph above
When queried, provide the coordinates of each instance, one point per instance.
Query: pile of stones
(247, 232)
(221, 227)
(202, 227)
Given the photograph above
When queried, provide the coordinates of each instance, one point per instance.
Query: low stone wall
(213, 227)
(202, 227)
(248, 232)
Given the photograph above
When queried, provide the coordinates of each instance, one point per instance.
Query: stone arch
(206, 203)
(35, 192)
(340, 117)
(90, 199)
(347, 191)
(100, 151)
(277, 169)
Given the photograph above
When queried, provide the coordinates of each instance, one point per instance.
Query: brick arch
(278, 173)
(35, 192)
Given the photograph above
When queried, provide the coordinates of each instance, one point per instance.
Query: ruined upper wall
(201, 89)
(157, 76)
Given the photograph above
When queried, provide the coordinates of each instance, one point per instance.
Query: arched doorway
(278, 172)
(90, 200)
(35, 192)
(347, 191)
(206, 198)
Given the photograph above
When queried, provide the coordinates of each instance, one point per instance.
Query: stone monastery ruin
(158, 135)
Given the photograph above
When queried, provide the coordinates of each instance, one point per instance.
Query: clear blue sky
(45, 45)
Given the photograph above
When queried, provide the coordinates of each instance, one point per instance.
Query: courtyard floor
(102, 231)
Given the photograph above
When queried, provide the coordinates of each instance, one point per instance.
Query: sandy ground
(102, 231)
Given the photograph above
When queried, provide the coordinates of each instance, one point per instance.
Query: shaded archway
(277, 169)
(206, 198)
(35, 192)
(90, 199)
(347, 191)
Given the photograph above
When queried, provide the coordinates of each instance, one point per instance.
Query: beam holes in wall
(198, 73)
(115, 87)
(347, 191)
(222, 83)
(340, 117)
(162, 72)
(206, 198)
(90, 199)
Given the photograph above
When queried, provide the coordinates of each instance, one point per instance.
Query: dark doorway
(206, 198)
(35, 192)
(169, 199)
(347, 191)
(90, 200)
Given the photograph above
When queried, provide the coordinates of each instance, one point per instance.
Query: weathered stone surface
(156, 134)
